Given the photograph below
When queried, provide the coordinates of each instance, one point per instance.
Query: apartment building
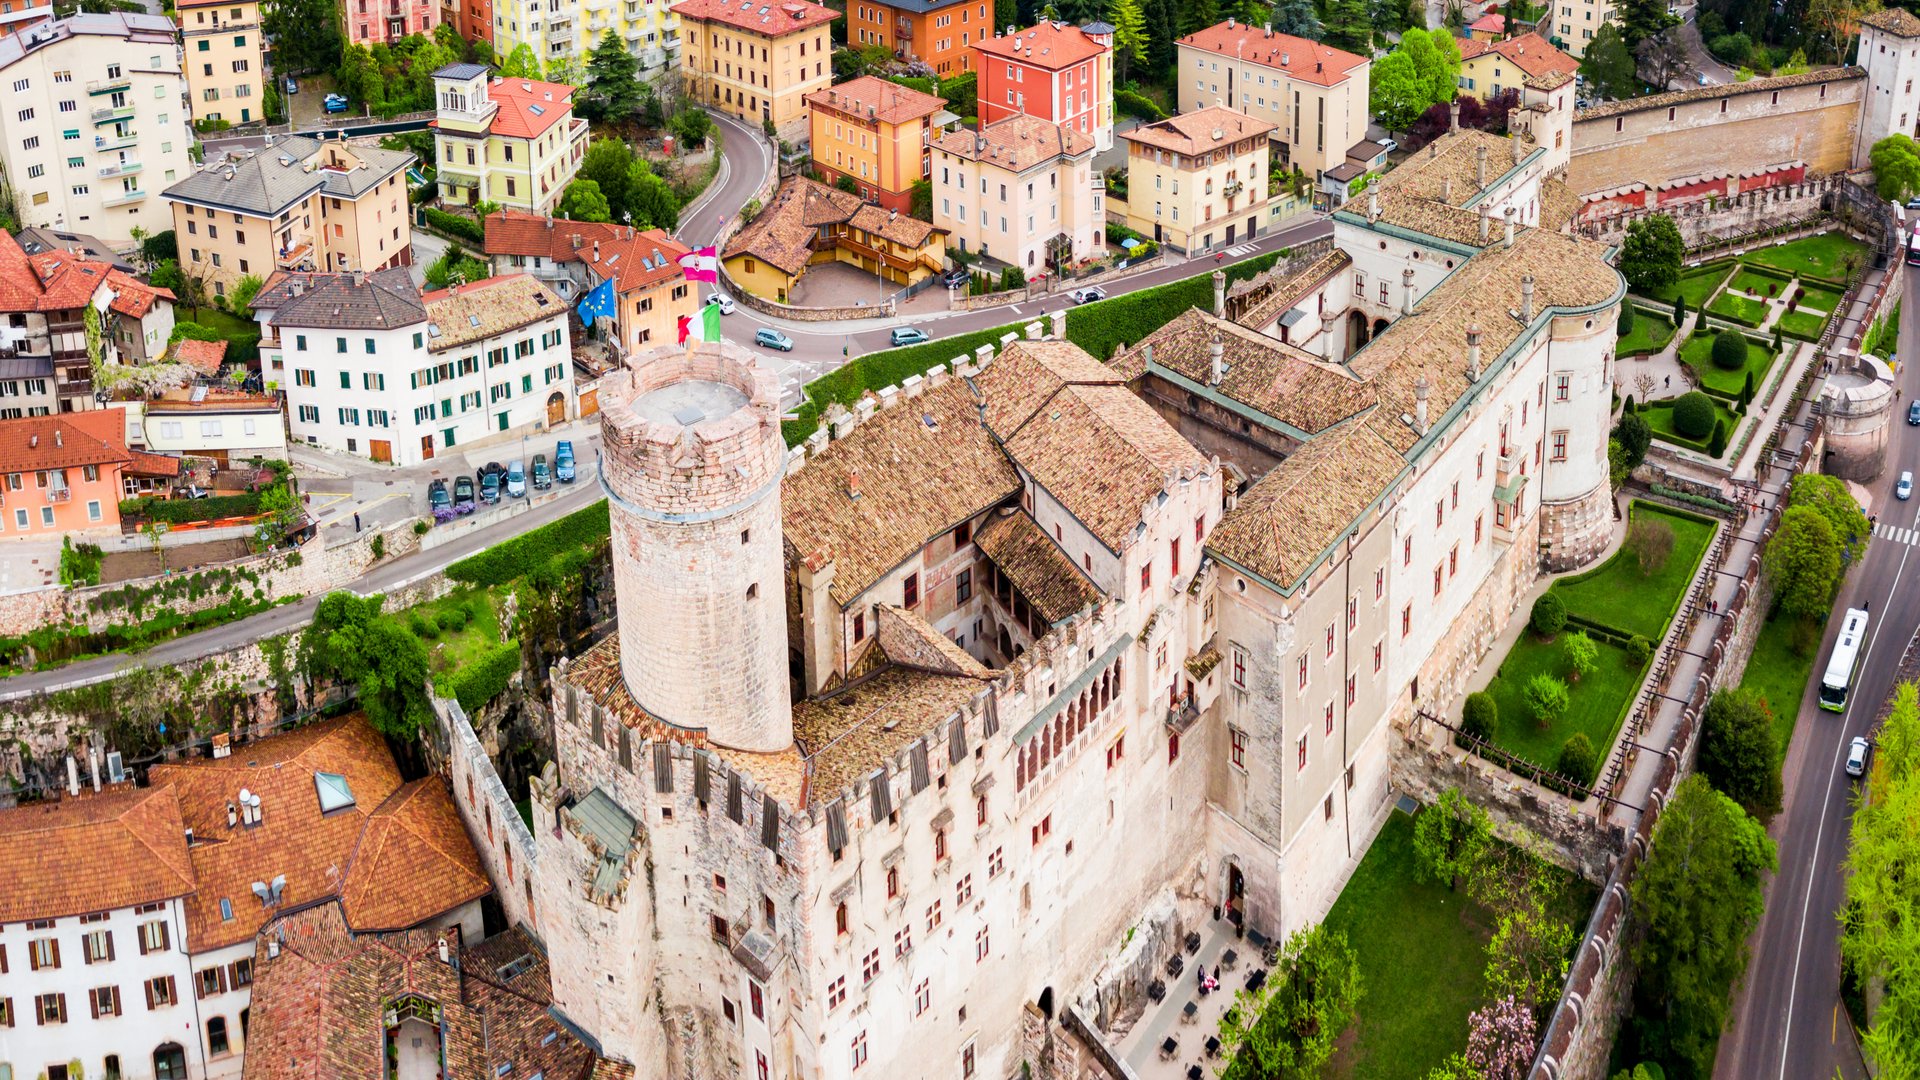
(300, 204)
(43, 344)
(1198, 180)
(1062, 74)
(574, 257)
(385, 22)
(1315, 96)
(756, 61)
(808, 223)
(877, 134)
(514, 142)
(211, 422)
(372, 367)
(1020, 191)
(939, 33)
(226, 68)
(17, 15)
(64, 475)
(471, 19)
(1489, 67)
(567, 31)
(1574, 22)
(94, 119)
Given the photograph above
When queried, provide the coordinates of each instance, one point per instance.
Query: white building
(1019, 190)
(371, 367)
(95, 121)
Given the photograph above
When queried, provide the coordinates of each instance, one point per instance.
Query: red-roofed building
(43, 342)
(377, 22)
(573, 257)
(514, 142)
(940, 33)
(63, 473)
(875, 133)
(1313, 94)
(757, 61)
(1488, 67)
(1062, 74)
(1489, 27)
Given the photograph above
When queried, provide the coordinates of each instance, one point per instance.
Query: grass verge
(1739, 309)
(1822, 257)
(1782, 662)
(1696, 284)
(1659, 417)
(1596, 704)
(1619, 595)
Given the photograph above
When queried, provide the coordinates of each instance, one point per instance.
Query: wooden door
(382, 449)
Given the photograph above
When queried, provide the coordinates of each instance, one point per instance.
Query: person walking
(356, 521)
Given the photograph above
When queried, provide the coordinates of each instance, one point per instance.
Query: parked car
(336, 103)
(953, 279)
(1859, 752)
(563, 461)
(725, 302)
(516, 479)
(1087, 295)
(773, 339)
(489, 478)
(1701, 78)
(1914, 203)
(907, 335)
(293, 85)
(437, 495)
(462, 494)
(542, 476)
(1389, 145)
(1904, 489)
(1913, 413)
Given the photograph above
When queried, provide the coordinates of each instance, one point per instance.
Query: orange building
(940, 32)
(17, 15)
(64, 473)
(877, 133)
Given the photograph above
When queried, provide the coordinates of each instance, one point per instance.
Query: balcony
(112, 113)
(297, 256)
(124, 197)
(119, 140)
(1182, 715)
(108, 86)
(59, 495)
(122, 168)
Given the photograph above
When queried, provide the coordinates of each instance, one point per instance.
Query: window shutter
(662, 768)
(837, 828)
(149, 995)
(163, 937)
(200, 984)
(116, 1001)
(702, 779)
(56, 952)
(221, 974)
(770, 823)
(93, 1002)
(173, 990)
(62, 1014)
(881, 793)
(33, 957)
(734, 809)
(957, 740)
(86, 949)
(990, 724)
(917, 760)
(108, 934)
(40, 1011)
(141, 934)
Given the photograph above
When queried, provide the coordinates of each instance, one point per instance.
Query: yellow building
(514, 142)
(225, 71)
(1314, 95)
(1198, 181)
(756, 61)
(301, 204)
(877, 133)
(1487, 68)
(810, 223)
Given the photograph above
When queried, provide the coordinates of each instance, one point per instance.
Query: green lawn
(1659, 417)
(1695, 284)
(1780, 673)
(1422, 958)
(1729, 305)
(1819, 299)
(1597, 703)
(1697, 353)
(1819, 256)
(1803, 325)
(1650, 334)
(447, 649)
(1619, 595)
(1758, 284)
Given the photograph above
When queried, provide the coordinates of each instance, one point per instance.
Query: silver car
(1859, 751)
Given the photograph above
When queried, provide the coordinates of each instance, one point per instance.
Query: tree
(1664, 58)
(582, 201)
(1450, 838)
(1739, 754)
(1546, 698)
(1696, 898)
(1480, 716)
(1501, 1039)
(1642, 19)
(1436, 64)
(305, 33)
(1129, 34)
(1635, 436)
(847, 184)
(351, 641)
(455, 267)
(609, 164)
(1624, 325)
(521, 63)
(166, 275)
(1617, 467)
(1299, 18)
(1679, 311)
(240, 297)
(1746, 391)
(1549, 615)
(1693, 415)
(1830, 496)
(1650, 257)
(691, 125)
(359, 76)
(1576, 760)
(651, 203)
(920, 200)
(613, 90)
(1347, 27)
(1729, 350)
(1609, 65)
(1803, 562)
(1287, 1028)
(1650, 542)
(1583, 655)
(1717, 441)
(1880, 937)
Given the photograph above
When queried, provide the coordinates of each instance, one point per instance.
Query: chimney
(1519, 151)
(596, 251)
(1509, 216)
(233, 816)
(443, 950)
(1486, 211)
(1373, 199)
(1526, 299)
(1453, 114)
(549, 222)
(1269, 29)
(1406, 291)
(58, 442)
(1057, 327)
(1219, 294)
(273, 948)
(1480, 167)
(1446, 191)
(1329, 345)
(93, 767)
(1420, 405)
(1229, 22)
(1218, 349)
(853, 484)
(1473, 352)
(73, 776)
(33, 442)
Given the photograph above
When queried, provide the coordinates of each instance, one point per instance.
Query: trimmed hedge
(181, 511)
(485, 677)
(1129, 103)
(465, 228)
(1688, 497)
(530, 551)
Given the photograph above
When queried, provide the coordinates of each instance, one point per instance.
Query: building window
(870, 967)
(910, 591)
(1406, 620)
(50, 1008)
(1559, 446)
(859, 1050)
(161, 992)
(837, 992)
(1301, 746)
(104, 1000)
(217, 1036)
(1237, 747)
(1238, 669)
(982, 945)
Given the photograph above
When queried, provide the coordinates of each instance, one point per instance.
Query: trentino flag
(701, 264)
(598, 304)
(710, 323)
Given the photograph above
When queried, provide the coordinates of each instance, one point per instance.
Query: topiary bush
(1639, 650)
(1693, 415)
(1549, 615)
(1576, 758)
(1717, 443)
(1729, 350)
(422, 628)
(1625, 325)
(1480, 716)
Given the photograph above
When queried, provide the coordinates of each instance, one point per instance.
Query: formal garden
(1561, 693)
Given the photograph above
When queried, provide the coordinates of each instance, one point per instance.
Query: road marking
(1241, 250)
(1820, 831)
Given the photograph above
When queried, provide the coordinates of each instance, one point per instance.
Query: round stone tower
(1858, 404)
(691, 462)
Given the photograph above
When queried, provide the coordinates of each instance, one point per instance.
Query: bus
(1844, 665)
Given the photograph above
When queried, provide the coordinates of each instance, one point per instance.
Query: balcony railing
(121, 168)
(59, 495)
(112, 113)
(119, 140)
(1182, 715)
(124, 197)
(108, 86)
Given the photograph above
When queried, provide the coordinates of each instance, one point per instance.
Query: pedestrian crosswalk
(1243, 249)
(1896, 534)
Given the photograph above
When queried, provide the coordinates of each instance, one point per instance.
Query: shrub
(1639, 650)
(176, 511)
(505, 561)
(1583, 656)
(1729, 350)
(1717, 444)
(422, 628)
(1650, 542)
(453, 619)
(1546, 697)
(1129, 103)
(1693, 415)
(420, 528)
(1746, 392)
(463, 227)
(1627, 407)
(378, 546)
(1576, 758)
(1679, 311)
(482, 680)
(1480, 716)
(1549, 615)
(1625, 325)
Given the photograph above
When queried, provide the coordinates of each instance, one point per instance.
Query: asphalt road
(1787, 1021)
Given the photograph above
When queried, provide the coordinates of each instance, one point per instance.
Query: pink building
(371, 22)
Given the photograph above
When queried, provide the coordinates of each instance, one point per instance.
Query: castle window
(767, 909)
(753, 590)
(718, 927)
(1237, 748)
(893, 882)
(756, 1000)
(840, 919)
(746, 535)
(859, 628)
(980, 810)
(910, 591)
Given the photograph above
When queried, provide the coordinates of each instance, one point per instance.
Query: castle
(903, 731)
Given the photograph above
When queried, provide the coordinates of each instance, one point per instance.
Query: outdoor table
(1169, 1047)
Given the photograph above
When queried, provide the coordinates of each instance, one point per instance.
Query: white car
(1903, 490)
(1858, 751)
(1389, 145)
(1087, 295)
(725, 302)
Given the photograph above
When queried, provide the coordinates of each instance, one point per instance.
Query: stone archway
(1356, 331)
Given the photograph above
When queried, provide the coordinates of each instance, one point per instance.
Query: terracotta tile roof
(923, 466)
(784, 233)
(1558, 204)
(897, 227)
(774, 18)
(1547, 82)
(1308, 61)
(413, 856)
(1897, 21)
(848, 734)
(93, 853)
(48, 280)
(1017, 142)
(889, 102)
(1533, 55)
(1198, 131)
(634, 258)
(1472, 47)
(482, 309)
(1026, 374)
(1050, 45)
(1287, 289)
(1262, 373)
(911, 641)
(1433, 192)
(202, 356)
(1719, 90)
(1490, 23)
(64, 440)
(528, 107)
(145, 464)
(1035, 565)
(316, 850)
(133, 297)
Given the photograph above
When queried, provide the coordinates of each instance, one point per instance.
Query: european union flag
(598, 304)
